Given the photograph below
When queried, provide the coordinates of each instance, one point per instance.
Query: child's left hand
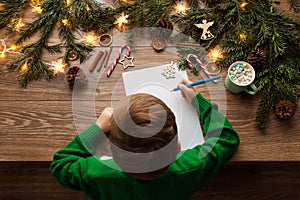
(104, 120)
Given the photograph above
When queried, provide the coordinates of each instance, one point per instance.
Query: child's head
(143, 135)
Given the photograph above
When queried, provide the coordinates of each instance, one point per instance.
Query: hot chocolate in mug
(240, 78)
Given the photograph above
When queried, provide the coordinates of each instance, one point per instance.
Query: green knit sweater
(75, 167)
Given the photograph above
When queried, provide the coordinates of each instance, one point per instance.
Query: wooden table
(38, 120)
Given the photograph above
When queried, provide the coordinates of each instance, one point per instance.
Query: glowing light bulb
(126, 2)
(2, 6)
(243, 5)
(58, 66)
(90, 38)
(37, 9)
(25, 66)
(181, 7)
(35, 2)
(215, 54)
(66, 22)
(243, 37)
(122, 20)
(14, 47)
(4, 48)
(2, 55)
(19, 24)
(68, 2)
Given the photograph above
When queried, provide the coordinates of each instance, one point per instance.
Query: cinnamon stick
(108, 55)
(96, 60)
(100, 64)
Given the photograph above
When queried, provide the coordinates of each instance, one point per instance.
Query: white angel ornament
(206, 34)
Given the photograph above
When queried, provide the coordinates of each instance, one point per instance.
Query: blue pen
(197, 83)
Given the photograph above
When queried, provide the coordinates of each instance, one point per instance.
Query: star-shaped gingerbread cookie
(122, 61)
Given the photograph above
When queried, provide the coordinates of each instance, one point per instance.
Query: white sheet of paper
(151, 81)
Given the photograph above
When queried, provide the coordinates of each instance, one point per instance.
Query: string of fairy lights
(91, 38)
(57, 66)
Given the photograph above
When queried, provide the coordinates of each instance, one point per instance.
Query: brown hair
(143, 135)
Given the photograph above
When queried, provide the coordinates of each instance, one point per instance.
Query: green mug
(233, 82)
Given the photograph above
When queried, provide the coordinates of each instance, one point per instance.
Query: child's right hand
(104, 120)
(186, 92)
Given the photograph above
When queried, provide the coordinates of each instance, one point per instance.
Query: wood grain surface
(238, 181)
(38, 120)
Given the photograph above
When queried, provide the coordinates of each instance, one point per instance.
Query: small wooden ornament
(105, 40)
(159, 43)
(206, 34)
(122, 61)
(213, 68)
(72, 55)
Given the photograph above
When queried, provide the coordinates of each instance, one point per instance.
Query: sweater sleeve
(221, 141)
(69, 164)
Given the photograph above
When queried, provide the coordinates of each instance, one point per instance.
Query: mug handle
(253, 91)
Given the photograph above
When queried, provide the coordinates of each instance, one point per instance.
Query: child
(134, 149)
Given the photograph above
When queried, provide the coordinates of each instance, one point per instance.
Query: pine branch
(265, 107)
(280, 40)
(273, 32)
(11, 13)
(54, 12)
(81, 49)
(37, 25)
(92, 15)
(279, 83)
(294, 5)
(144, 13)
(212, 3)
(183, 65)
(36, 68)
(53, 49)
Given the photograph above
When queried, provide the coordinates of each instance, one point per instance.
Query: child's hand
(186, 92)
(104, 119)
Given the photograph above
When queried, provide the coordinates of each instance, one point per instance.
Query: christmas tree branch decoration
(91, 15)
(10, 13)
(245, 30)
(294, 5)
(144, 13)
(70, 16)
(81, 49)
(239, 28)
(36, 68)
(279, 82)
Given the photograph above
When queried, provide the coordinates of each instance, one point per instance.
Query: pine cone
(165, 27)
(257, 58)
(75, 75)
(285, 109)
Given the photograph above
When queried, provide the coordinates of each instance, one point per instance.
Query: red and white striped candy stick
(114, 64)
(189, 56)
